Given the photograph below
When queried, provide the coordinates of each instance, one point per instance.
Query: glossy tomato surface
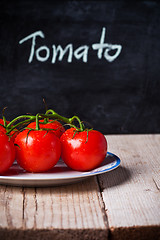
(83, 153)
(57, 127)
(7, 152)
(37, 151)
(2, 128)
(13, 133)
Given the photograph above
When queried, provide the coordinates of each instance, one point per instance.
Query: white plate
(58, 175)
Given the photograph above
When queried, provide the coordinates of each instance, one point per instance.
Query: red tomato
(2, 122)
(83, 153)
(2, 128)
(7, 152)
(37, 151)
(14, 133)
(52, 124)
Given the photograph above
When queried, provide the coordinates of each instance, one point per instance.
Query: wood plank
(131, 192)
(67, 212)
(11, 207)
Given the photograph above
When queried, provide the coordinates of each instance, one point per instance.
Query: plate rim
(83, 173)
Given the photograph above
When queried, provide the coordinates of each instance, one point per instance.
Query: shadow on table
(119, 176)
(110, 179)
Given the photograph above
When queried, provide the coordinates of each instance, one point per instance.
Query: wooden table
(121, 204)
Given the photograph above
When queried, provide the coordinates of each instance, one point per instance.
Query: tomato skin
(2, 123)
(12, 133)
(80, 154)
(38, 152)
(59, 129)
(7, 152)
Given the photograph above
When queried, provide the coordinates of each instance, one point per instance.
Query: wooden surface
(121, 204)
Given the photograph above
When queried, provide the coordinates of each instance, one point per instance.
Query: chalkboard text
(81, 53)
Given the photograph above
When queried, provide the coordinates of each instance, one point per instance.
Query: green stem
(37, 122)
(45, 120)
(56, 116)
(10, 128)
(5, 122)
(64, 119)
(79, 121)
(49, 114)
(4, 119)
(18, 118)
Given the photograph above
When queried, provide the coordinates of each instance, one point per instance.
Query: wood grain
(131, 193)
(59, 211)
(11, 207)
(121, 204)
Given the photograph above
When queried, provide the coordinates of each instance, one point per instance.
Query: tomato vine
(23, 120)
(35, 138)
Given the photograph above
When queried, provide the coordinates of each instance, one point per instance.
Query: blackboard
(53, 50)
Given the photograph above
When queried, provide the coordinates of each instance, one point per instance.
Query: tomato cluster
(38, 142)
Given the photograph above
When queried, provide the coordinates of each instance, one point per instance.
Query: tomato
(7, 152)
(13, 133)
(2, 121)
(37, 150)
(52, 124)
(2, 128)
(81, 152)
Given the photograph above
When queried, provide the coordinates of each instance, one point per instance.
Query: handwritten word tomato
(37, 150)
(81, 152)
(52, 124)
(7, 152)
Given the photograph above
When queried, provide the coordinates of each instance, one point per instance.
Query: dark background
(118, 97)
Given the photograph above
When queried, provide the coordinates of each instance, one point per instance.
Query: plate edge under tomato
(82, 175)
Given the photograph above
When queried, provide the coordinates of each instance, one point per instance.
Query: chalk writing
(57, 52)
(108, 47)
